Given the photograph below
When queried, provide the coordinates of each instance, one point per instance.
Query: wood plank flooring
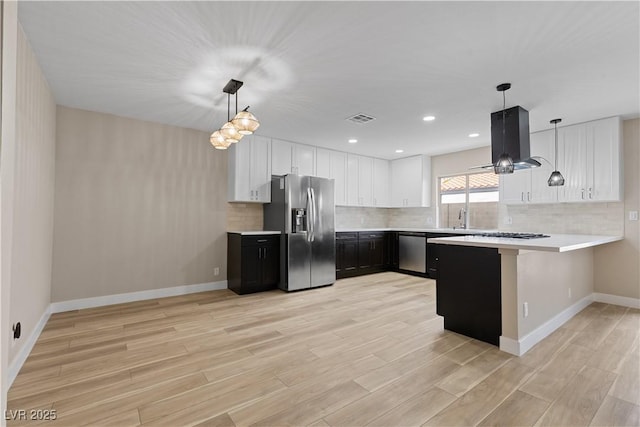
(366, 351)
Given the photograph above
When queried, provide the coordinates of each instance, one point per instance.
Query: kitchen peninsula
(514, 292)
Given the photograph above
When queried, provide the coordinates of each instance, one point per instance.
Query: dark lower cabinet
(392, 251)
(346, 255)
(432, 253)
(253, 262)
(371, 252)
(468, 291)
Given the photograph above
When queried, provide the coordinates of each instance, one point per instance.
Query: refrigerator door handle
(309, 215)
(313, 215)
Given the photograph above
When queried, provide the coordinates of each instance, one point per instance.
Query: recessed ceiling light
(474, 135)
(399, 151)
(353, 141)
(428, 118)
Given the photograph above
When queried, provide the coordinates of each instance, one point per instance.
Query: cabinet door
(260, 170)
(365, 181)
(339, 175)
(352, 180)
(378, 253)
(304, 159)
(239, 178)
(603, 167)
(365, 261)
(411, 182)
(572, 161)
(270, 264)
(399, 183)
(323, 163)
(380, 182)
(543, 145)
(251, 263)
(280, 157)
(514, 187)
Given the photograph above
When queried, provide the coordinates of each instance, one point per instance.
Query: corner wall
(617, 265)
(33, 197)
(139, 206)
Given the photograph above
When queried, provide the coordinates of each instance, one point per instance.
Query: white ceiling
(307, 66)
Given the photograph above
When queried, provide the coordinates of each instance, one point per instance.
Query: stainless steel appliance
(412, 251)
(303, 209)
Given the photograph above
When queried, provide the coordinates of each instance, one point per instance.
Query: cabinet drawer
(346, 236)
(371, 234)
(271, 239)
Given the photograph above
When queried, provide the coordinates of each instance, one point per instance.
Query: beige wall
(617, 270)
(33, 197)
(9, 28)
(138, 206)
(454, 163)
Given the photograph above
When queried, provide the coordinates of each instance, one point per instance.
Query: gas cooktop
(514, 235)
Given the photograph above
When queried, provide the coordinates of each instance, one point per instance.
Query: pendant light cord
(555, 125)
(504, 106)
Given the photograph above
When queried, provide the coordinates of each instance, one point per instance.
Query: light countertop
(418, 230)
(553, 243)
(254, 233)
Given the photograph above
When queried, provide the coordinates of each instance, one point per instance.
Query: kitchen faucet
(462, 216)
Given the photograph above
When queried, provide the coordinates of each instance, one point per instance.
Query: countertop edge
(573, 242)
(254, 233)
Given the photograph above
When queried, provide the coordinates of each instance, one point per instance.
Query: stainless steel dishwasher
(412, 251)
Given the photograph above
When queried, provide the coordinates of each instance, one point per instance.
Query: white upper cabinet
(411, 182)
(530, 185)
(280, 157)
(381, 180)
(289, 157)
(333, 165)
(590, 159)
(359, 180)
(249, 170)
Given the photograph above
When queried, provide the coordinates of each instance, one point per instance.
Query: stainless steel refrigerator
(303, 209)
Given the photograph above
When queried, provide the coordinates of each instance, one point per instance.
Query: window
(478, 187)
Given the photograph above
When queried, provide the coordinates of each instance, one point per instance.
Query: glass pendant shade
(504, 164)
(245, 122)
(230, 133)
(556, 179)
(218, 141)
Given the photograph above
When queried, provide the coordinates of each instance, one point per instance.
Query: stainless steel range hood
(515, 139)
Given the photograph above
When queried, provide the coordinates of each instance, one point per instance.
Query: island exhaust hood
(516, 137)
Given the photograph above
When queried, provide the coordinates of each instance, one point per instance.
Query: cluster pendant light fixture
(556, 179)
(504, 164)
(243, 123)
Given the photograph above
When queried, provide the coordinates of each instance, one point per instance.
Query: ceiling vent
(361, 118)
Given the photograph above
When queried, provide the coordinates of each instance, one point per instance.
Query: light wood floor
(366, 351)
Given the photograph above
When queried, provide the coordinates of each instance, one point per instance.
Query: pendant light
(243, 123)
(556, 179)
(218, 141)
(504, 164)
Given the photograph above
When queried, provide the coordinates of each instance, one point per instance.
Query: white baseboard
(617, 300)
(24, 352)
(524, 344)
(77, 304)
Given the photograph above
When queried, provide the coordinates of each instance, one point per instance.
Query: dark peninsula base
(468, 291)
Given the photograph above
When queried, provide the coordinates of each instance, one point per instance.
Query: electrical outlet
(569, 293)
(429, 220)
(633, 215)
(216, 271)
(525, 309)
(508, 220)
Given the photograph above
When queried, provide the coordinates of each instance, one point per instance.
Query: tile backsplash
(564, 218)
(244, 217)
(357, 217)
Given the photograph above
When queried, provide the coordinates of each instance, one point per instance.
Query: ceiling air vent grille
(361, 118)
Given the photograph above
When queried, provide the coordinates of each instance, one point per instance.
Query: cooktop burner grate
(514, 235)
